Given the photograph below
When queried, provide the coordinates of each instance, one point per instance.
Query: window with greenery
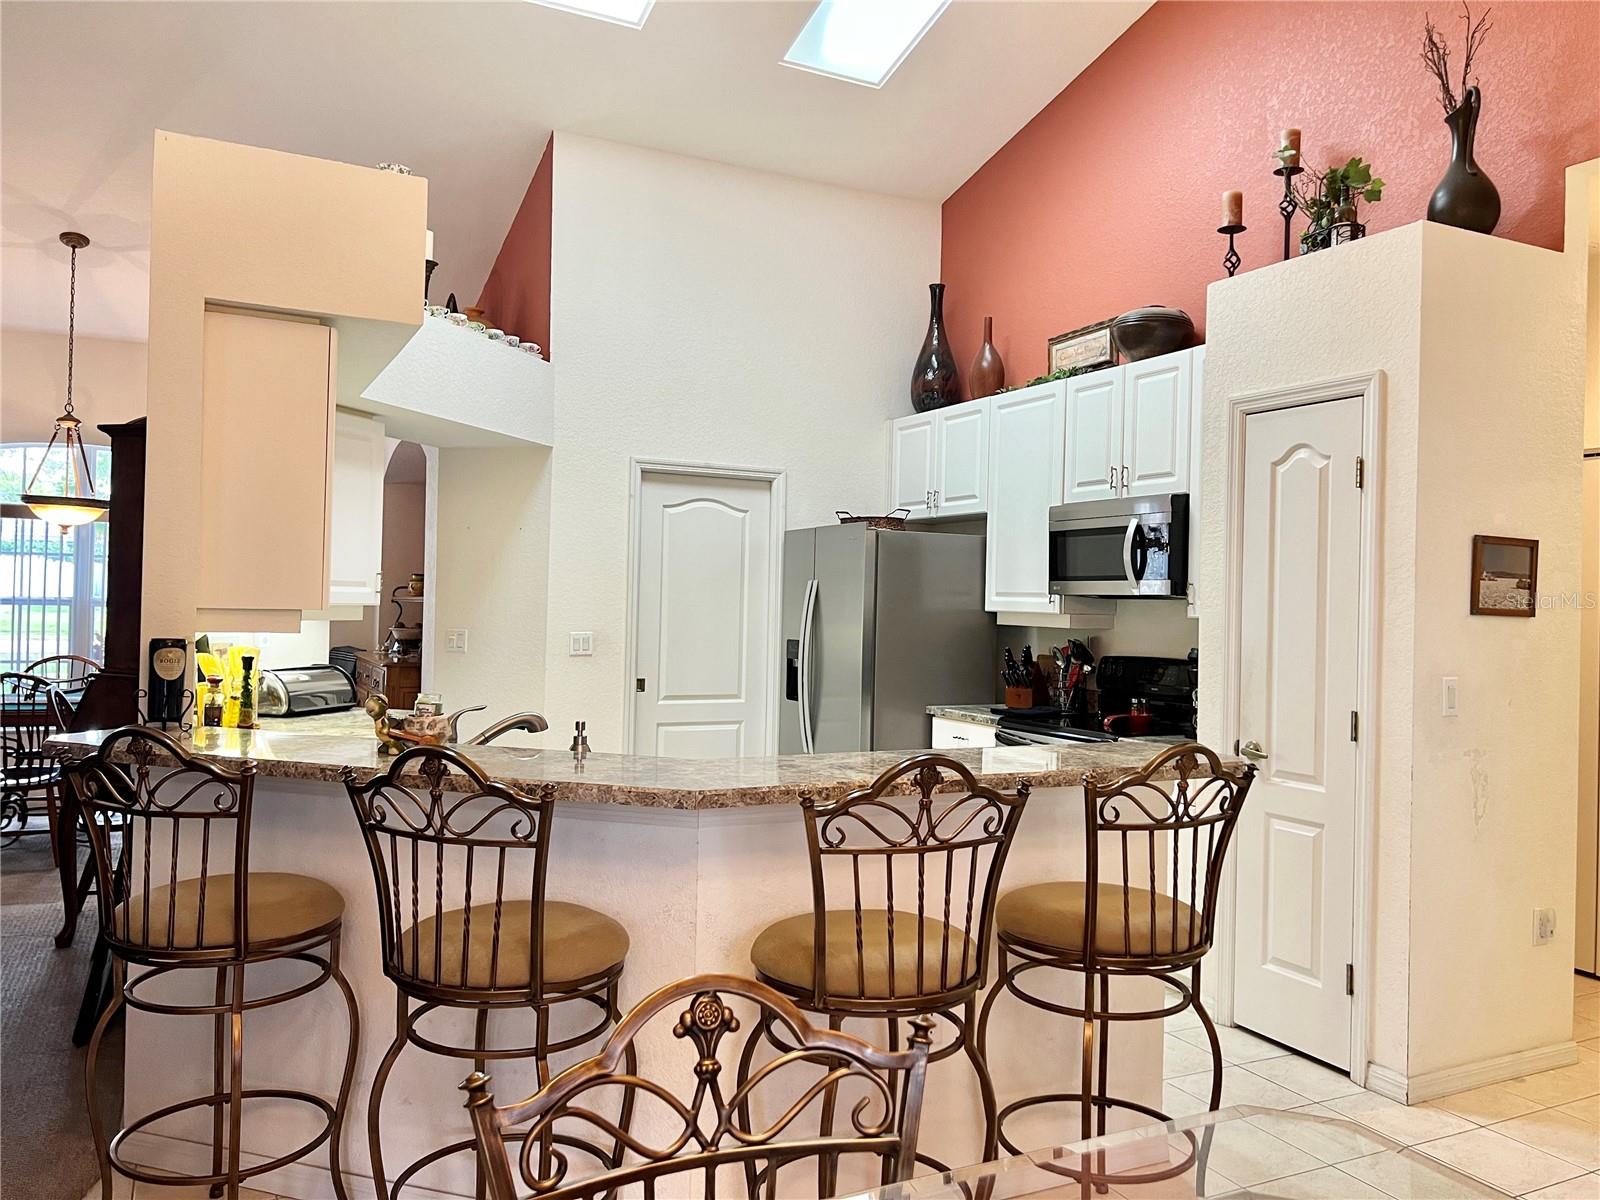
(52, 585)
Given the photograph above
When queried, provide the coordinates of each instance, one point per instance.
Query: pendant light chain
(72, 320)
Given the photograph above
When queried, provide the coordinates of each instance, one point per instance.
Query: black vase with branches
(1465, 197)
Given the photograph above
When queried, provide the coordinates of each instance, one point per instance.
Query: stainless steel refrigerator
(877, 625)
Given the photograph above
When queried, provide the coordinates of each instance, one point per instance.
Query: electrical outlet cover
(1544, 926)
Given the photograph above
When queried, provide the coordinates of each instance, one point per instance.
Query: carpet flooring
(45, 1149)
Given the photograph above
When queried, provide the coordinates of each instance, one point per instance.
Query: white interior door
(1296, 838)
(704, 587)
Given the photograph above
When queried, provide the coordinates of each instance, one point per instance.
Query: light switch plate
(1450, 699)
(455, 641)
(580, 644)
(1544, 926)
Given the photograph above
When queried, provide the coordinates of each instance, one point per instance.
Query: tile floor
(1536, 1137)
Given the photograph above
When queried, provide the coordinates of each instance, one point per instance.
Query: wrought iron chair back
(442, 837)
(1178, 829)
(70, 672)
(715, 1131)
(26, 720)
(935, 855)
(185, 830)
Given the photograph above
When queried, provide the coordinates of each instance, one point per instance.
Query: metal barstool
(183, 898)
(903, 898)
(460, 867)
(1151, 915)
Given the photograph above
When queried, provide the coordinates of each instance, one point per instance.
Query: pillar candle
(1233, 208)
(427, 253)
(1289, 140)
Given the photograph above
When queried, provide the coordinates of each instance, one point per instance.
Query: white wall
(713, 314)
(108, 383)
(1477, 339)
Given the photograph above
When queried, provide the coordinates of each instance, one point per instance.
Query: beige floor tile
(1485, 1105)
(1312, 1080)
(1583, 985)
(1177, 1103)
(1587, 1053)
(1239, 1086)
(1587, 1006)
(1584, 1030)
(1584, 1187)
(1591, 1044)
(1587, 1109)
(1237, 1045)
(1561, 1086)
(1180, 1058)
(157, 1191)
(1182, 1188)
(1403, 1175)
(121, 1189)
(1559, 1133)
(1328, 1143)
(1251, 1156)
(1407, 1126)
(1500, 1161)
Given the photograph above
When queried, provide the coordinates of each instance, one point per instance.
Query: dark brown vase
(988, 372)
(934, 382)
(1465, 197)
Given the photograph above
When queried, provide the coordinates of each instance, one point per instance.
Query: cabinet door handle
(927, 501)
(935, 500)
(1124, 477)
(1111, 479)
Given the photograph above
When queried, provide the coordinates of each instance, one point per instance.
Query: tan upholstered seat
(283, 908)
(785, 952)
(578, 943)
(1052, 915)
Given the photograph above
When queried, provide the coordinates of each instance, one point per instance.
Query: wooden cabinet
(356, 516)
(1026, 429)
(1155, 425)
(399, 682)
(261, 487)
(939, 462)
(952, 734)
(1094, 436)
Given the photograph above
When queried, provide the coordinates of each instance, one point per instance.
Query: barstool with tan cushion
(1156, 840)
(459, 865)
(175, 814)
(905, 873)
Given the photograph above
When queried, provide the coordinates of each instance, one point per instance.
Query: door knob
(1253, 751)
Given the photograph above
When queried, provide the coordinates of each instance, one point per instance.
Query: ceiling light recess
(862, 41)
(631, 13)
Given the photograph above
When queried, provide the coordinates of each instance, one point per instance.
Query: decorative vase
(1151, 331)
(934, 382)
(988, 372)
(1465, 197)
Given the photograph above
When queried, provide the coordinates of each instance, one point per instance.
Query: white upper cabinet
(939, 461)
(960, 485)
(1094, 435)
(912, 448)
(356, 517)
(1197, 437)
(1156, 411)
(1026, 428)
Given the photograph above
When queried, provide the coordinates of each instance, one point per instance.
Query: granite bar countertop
(639, 780)
(976, 714)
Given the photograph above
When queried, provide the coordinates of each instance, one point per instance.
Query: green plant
(1335, 196)
(1063, 373)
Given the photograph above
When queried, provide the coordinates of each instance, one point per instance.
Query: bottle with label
(247, 695)
(211, 706)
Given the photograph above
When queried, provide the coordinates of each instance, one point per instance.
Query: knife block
(1019, 697)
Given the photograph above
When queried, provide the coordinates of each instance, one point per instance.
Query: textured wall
(108, 378)
(1109, 198)
(516, 296)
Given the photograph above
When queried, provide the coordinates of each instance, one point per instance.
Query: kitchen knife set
(1032, 683)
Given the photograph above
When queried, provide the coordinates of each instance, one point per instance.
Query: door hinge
(1355, 726)
(1361, 471)
(1349, 979)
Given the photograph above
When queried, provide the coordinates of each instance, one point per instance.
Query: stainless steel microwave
(1130, 546)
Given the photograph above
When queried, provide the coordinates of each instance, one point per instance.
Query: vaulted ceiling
(467, 94)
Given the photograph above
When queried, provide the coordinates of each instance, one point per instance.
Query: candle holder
(1287, 205)
(429, 265)
(1231, 259)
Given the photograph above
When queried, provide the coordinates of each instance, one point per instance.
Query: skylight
(862, 40)
(619, 12)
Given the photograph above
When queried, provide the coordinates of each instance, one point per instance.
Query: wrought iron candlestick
(1231, 259)
(429, 265)
(1287, 205)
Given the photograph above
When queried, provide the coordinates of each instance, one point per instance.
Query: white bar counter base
(693, 870)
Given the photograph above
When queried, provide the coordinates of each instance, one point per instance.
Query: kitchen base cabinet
(399, 682)
(950, 734)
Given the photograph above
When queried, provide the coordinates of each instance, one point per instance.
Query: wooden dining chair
(708, 1126)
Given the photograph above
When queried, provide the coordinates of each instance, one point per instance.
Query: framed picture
(1505, 576)
(1086, 348)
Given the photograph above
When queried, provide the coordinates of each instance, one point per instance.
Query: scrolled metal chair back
(26, 720)
(1167, 840)
(69, 671)
(442, 837)
(933, 854)
(183, 821)
(709, 1130)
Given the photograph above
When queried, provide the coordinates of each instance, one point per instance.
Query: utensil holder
(1019, 697)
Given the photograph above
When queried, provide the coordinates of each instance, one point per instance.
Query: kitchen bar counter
(642, 781)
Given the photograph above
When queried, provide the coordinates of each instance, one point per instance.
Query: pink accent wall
(516, 296)
(1110, 197)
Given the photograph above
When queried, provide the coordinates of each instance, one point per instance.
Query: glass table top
(1245, 1152)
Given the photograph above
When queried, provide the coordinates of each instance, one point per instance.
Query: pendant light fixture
(76, 504)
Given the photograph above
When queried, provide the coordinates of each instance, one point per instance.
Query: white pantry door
(1296, 838)
(704, 596)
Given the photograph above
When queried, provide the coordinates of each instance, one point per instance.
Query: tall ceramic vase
(934, 382)
(1465, 197)
(988, 374)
